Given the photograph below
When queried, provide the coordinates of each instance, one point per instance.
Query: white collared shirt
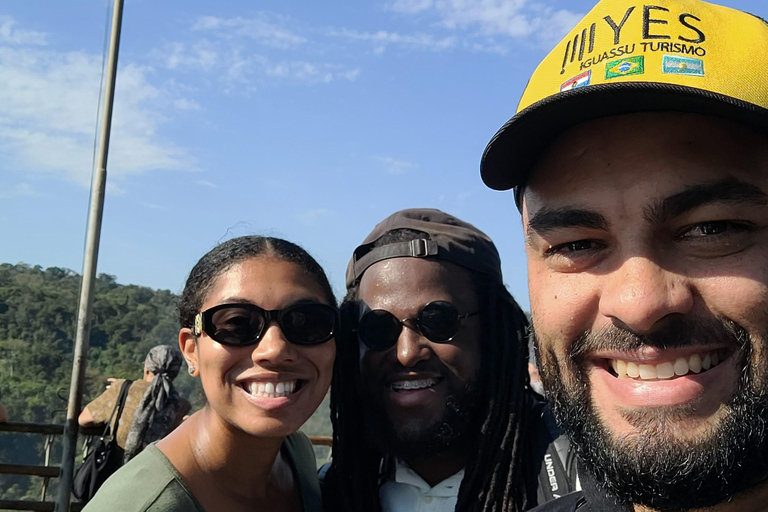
(408, 492)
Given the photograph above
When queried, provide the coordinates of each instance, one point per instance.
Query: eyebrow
(726, 191)
(546, 219)
(235, 300)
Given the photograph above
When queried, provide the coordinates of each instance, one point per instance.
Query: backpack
(558, 474)
(105, 456)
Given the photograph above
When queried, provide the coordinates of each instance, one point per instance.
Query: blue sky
(310, 121)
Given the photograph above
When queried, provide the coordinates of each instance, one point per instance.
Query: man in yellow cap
(639, 160)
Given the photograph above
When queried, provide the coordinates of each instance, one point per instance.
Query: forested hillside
(38, 309)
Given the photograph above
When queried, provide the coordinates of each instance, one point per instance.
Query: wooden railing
(48, 471)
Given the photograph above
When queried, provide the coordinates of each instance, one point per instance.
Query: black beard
(668, 475)
(449, 431)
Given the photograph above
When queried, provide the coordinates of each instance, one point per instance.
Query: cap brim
(512, 153)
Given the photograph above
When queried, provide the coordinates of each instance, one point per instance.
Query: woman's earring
(191, 369)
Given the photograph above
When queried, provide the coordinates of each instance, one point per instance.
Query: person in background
(430, 402)
(258, 320)
(639, 159)
(152, 408)
(3, 413)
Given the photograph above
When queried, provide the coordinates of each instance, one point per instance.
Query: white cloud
(350, 74)
(382, 39)
(560, 23)
(511, 18)
(186, 104)
(395, 166)
(200, 55)
(11, 35)
(260, 28)
(245, 54)
(488, 47)
(48, 105)
(308, 72)
(18, 190)
(411, 6)
(244, 71)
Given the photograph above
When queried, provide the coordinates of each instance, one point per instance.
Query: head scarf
(159, 407)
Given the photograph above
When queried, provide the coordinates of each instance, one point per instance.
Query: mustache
(676, 332)
(386, 369)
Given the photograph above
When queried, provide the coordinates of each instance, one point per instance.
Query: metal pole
(89, 270)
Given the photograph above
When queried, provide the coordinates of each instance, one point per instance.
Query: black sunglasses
(438, 321)
(245, 324)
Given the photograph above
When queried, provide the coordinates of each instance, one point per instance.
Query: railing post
(48, 444)
(89, 271)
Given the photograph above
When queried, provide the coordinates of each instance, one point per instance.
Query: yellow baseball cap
(626, 56)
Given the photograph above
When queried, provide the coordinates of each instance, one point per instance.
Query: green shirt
(150, 483)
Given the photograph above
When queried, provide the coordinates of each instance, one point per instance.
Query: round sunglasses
(245, 324)
(438, 321)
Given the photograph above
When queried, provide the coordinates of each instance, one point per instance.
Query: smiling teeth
(413, 384)
(271, 389)
(666, 370)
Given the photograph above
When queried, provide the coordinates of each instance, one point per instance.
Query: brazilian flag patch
(625, 67)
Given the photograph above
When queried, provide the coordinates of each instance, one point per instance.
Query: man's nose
(640, 293)
(411, 347)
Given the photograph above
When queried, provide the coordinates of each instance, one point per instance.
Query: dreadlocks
(497, 479)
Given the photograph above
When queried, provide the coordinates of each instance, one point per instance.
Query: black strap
(557, 475)
(420, 248)
(119, 405)
(554, 480)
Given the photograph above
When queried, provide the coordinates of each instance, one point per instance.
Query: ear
(188, 346)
